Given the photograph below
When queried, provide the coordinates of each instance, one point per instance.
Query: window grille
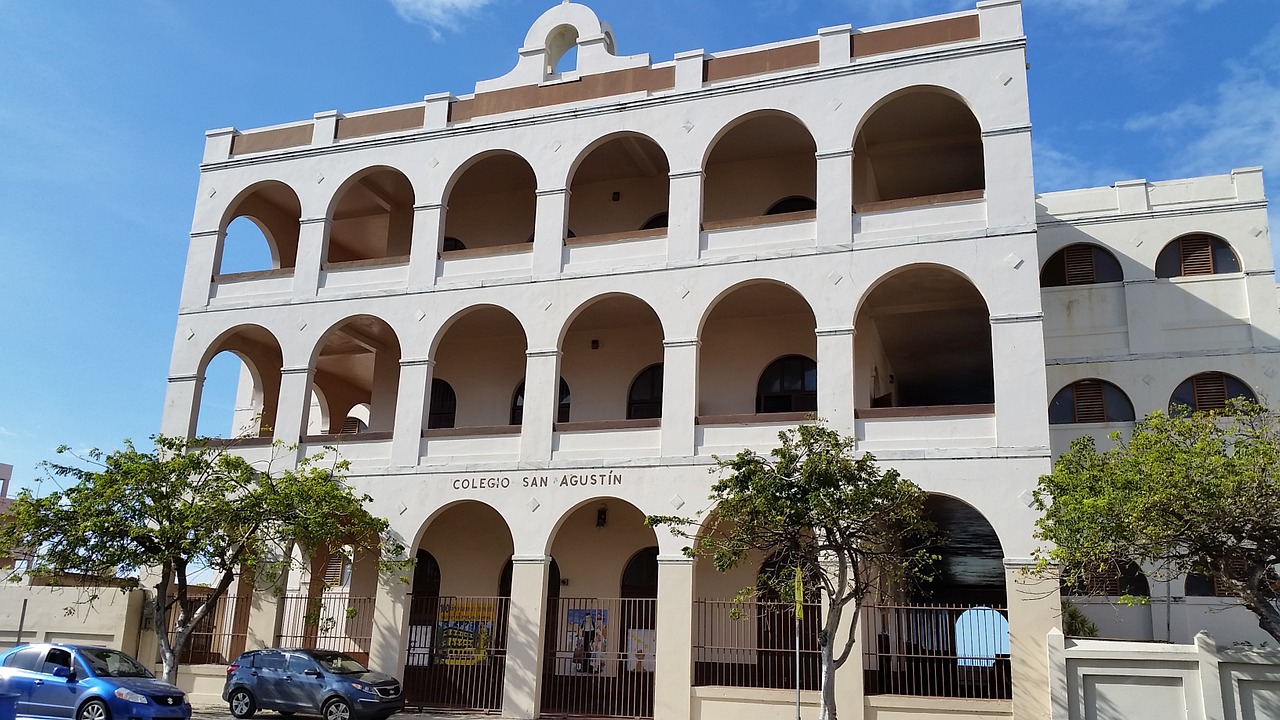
(1080, 269)
(1197, 256)
(1090, 402)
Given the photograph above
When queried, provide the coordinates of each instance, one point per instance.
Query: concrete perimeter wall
(63, 614)
(1149, 681)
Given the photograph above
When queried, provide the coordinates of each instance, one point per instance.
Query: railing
(599, 658)
(457, 653)
(220, 635)
(955, 651)
(330, 621)
(753, 644)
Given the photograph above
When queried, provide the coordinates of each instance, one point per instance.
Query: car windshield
(112, 663)
(339, 663)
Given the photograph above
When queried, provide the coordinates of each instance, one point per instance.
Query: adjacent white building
(531, 315)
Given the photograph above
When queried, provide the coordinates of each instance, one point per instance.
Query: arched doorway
(458, 611)
(600, 648)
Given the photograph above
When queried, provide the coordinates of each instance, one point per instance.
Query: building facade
(532, 315)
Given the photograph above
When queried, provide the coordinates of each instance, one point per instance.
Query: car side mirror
(63, 672)
(312, 672)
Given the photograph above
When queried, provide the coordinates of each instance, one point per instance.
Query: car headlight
(131, 696)
(363, 688)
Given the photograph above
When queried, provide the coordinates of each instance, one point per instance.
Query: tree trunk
(1260, 602)
(168, 657)
(828, 709)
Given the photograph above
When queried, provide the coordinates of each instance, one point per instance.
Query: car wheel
(337, 709)
(94, 710)
(241, 704)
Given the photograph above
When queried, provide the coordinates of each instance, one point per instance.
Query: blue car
(330, 684)
(53, 680)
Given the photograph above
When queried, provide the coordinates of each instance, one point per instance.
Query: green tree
(1186, 493)
(822, 509)
(189, 508)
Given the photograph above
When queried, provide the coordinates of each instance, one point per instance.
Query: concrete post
(673, 658)
(1018, 359)
(1035, 608)
(541, 403)
(679, 397)
(835, 197)
(526, 624)
(295, 398)
(684, 217)
(312, 233)
(204, 258)
(428, 228)
(390, 626)
(181, 397)
(549, 232)
(411, 410)
(835, 377)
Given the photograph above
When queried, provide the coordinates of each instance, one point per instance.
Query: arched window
(1122, 577)
(444, 405)
(1080, 264)
(1196, 255)
(1090, 401)
(795, 203)
(517, 404)
(645, 398)
(452, 243)
(982, 635)
(1209, 391)
(657, 221)
(789, 384)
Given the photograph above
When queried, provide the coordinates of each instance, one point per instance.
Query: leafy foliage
(815, 504)
(186, 509)
(1187, 493)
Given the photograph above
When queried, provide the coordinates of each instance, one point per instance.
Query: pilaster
(835, 197)
(673, 639)
(526, 625)
(684, 217)
(549, 232)
(835, 378)
(312, 233)
(541, 403)
(1035, 608)
(424, 250)
(204, 258)
(679, 397)
(295, 398)
(411, 410)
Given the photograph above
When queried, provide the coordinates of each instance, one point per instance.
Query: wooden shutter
(1197, 256)
(1090, 405)
(1079, 261)
(1211, 391)
(333, 570)
(350, 426)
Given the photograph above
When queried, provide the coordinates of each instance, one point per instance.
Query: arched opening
(1117, 579)
(274, 213)
(562, 406)
(1090, 401)
(748, 329)
(372, 218)
(601, 658)
(924, 145)
(1207, 392)
(609, 341)
(788, 384)
(443, 409)
(644, 399)
(481, 355)
(498, 180)
(240, 386)
(924, 339)
(457, 625)
(758, 160)
(618, 186)
(245, 248)
(1080, 264)
(969, 569)
(1193, 255)
(562, 50)
(793, 204)
(358, 363)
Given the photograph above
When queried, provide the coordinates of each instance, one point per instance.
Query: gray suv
(318, 682)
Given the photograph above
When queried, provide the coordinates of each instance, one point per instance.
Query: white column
(204, 258)
(1035, 607)
(390, 627)
(411, 410)
(526, 624)
(306, 272)
(679, 397)
(673, 637)
(386, 383)
(1010, 190)
(295, 397)
(684, 217)
(265, 611)
(1017, 342)
(541, 403)
(181, 398)
(850, 678)
(835, 197)
(428, 226)
(549, 232)
(835, 377)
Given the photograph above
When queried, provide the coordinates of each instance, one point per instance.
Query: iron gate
(457, 653)
(599, 658)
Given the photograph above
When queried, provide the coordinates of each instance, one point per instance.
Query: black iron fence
(756, 644)
(457, 653)
(956, 651)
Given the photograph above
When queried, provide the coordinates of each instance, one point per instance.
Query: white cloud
(5, 432)
(1137, 25)
(437, 14)
(1060, 170)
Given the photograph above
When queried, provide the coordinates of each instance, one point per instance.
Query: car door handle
(39, 682)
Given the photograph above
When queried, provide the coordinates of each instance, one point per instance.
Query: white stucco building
(530, 316)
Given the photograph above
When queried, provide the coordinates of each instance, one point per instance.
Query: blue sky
(103, 108)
